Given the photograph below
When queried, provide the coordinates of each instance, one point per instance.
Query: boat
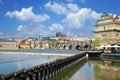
(111, 54)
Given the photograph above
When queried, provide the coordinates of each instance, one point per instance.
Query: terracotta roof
(65, 37)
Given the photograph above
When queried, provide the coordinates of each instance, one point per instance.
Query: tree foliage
(40, 44)
(58, 43)
(97, 42)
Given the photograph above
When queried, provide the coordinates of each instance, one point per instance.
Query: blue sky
(32, 18)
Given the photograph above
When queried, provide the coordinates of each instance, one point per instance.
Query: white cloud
(56, 7)
(72, 7)
(62, 8)
(95, 15)
(26, 14)
(78, 19)
(1, 33)
(69, 33)
(21, 27)
(56, 27)
(33, 30)
(25, 31)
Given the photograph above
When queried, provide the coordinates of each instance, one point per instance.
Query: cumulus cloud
(26, 14)
(78, 19)
(1, 33)
(55, 7)
(56, 27)
(75, 16)
(61, 8)
(69, 33)
(72, 7)
(33, 30)
(95, 15)
(25, 31)
(21, 27)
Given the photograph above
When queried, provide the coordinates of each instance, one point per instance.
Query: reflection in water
(85, 69)
(108, 70)
(14, 62)
(91, 69)
(68, 72)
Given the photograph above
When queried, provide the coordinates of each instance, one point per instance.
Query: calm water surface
(11, 62)
(85, 69)
(91, 69)
(15, 61)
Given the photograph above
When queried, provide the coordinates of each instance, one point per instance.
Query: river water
(15, 60)
(84, 69)
(91, 69)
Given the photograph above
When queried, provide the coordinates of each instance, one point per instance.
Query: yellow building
(108, 29)
(24, 46)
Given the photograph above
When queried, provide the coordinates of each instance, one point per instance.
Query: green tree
(53, 44)
(68, 41)
(97, 42)
(40, 44)
(57, 43)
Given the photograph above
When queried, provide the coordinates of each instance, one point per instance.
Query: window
(103, 36)
(117, 35)
(104, 28)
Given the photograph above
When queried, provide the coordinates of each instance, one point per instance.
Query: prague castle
(107, 28)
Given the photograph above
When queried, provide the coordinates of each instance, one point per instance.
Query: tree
(58, 43)
(53, 44)
(68, 41)
(97, 42)
(40, 44)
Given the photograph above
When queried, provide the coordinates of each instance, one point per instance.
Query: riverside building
(107, 28)
(6, 44)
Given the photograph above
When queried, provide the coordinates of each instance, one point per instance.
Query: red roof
(65, 37)
(113, 18)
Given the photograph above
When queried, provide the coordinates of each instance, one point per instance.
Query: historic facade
(6, 44)
(108, 29)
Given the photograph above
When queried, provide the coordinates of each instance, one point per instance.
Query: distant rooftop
(6, 40)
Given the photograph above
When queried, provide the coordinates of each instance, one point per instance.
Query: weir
(93, 53)
(48, 70)
(43, 71)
